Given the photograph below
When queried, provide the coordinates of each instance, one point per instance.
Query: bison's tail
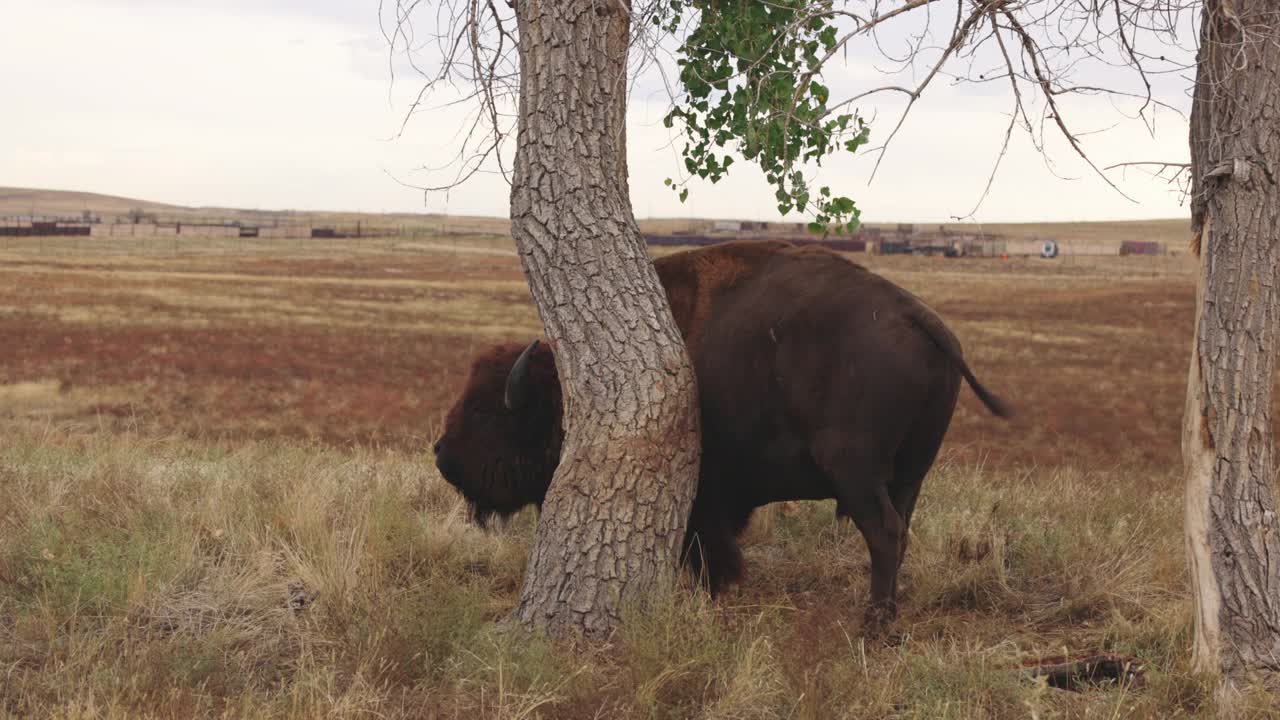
(947, 342)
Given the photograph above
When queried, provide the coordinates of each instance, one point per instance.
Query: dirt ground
(367, 343)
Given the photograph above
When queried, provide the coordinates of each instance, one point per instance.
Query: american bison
(817, 379)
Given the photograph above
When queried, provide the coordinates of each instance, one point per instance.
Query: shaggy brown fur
(817, 379)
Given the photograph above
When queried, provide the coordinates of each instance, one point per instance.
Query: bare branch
(958, 35)
(1063, 48)
(1032, 52)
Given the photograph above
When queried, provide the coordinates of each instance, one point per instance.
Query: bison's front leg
(711, 551)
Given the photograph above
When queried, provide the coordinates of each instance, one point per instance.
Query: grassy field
(365, 343)
(216, 500)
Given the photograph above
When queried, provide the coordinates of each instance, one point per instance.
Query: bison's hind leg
(861, 482)
(918, 451)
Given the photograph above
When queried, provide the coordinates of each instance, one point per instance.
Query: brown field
(368, 343)
(215, 501)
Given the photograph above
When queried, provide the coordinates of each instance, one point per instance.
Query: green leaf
(828, 36)
(740, 66)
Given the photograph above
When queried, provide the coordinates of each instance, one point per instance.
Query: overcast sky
(289, 104)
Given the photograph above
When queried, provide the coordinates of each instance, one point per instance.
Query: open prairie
(216, 500)
(367, 342)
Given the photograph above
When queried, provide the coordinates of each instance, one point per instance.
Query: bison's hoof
(877, 620)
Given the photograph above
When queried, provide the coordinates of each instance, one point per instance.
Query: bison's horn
(514, 396)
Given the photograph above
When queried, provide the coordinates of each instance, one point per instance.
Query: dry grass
(366, 342)
(156, 577)
(215, 502)
(359, 346)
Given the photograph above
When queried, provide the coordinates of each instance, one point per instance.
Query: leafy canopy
(750, 72)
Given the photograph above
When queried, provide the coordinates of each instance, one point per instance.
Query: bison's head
(501, 440)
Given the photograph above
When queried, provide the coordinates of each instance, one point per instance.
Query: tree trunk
(1233, 538)
(615, 516)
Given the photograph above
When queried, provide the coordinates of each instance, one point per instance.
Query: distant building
(1141, 247)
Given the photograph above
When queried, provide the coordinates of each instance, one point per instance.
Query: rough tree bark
(1233, 539)
(614, 518)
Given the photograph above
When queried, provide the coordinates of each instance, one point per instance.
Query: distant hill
(22, 201)
(1173, 232)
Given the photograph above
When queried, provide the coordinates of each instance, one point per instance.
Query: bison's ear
(517, 387)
